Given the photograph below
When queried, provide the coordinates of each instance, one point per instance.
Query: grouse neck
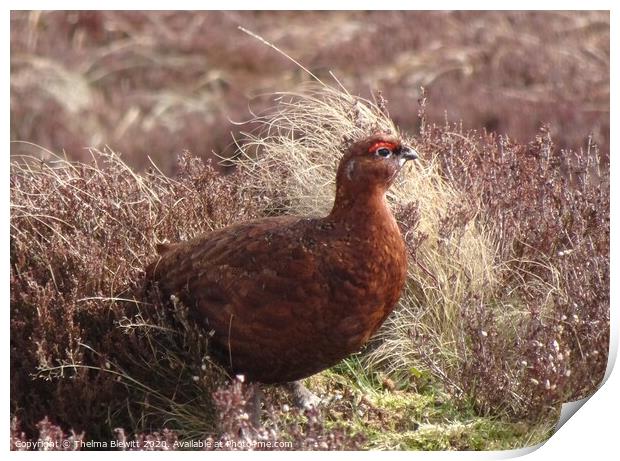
(361, 207)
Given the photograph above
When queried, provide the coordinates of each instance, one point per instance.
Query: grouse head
(373, 163)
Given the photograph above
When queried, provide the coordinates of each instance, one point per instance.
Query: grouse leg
(302, 397)
(256, 406)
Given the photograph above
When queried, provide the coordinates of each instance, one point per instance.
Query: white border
(592, 433)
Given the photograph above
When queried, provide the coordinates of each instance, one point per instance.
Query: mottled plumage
(287, 297)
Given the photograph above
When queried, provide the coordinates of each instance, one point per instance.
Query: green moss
(393, 417)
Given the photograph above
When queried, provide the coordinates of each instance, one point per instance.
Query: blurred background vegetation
(156, 84)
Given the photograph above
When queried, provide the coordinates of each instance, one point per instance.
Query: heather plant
(81, 236)
(49, 438)
(506, 307)
(285, 428)
(536, 333)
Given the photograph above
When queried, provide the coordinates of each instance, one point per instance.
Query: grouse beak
(407, 153)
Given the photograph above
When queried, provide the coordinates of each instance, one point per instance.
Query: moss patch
(393, 418)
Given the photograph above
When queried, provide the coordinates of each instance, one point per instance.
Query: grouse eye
(384, 152)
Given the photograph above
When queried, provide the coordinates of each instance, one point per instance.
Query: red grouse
(286, 297)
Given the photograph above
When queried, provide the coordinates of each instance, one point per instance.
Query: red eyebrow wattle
(378, 145)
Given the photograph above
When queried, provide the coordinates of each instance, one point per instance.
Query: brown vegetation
(506, 306)
(157, 84)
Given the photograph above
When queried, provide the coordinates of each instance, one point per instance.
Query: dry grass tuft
(292, 159)
(292, 154)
